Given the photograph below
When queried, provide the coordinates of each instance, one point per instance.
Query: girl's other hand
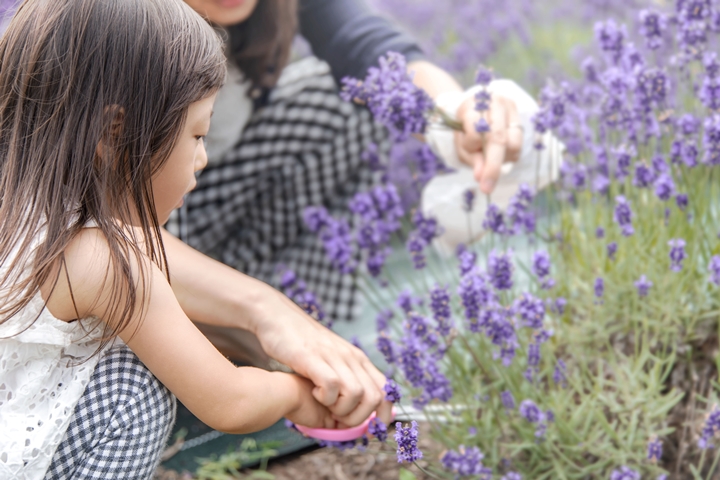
(309, 412)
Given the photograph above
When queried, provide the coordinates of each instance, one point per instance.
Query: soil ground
(377, 462)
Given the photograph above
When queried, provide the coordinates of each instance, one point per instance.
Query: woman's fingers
(365, 400)
(486, 152)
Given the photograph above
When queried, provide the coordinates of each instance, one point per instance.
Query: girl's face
(177, 176)
(223, 12)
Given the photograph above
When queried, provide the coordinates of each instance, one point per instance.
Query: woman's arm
(225, 397)
(213, 293)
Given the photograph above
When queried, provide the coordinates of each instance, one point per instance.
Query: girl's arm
(213, 293)
(225, 397)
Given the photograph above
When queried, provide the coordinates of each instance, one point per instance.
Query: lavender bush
(579, 337)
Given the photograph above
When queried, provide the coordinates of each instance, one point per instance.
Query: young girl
(103, 108)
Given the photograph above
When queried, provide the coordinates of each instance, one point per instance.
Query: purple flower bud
(316, 218)
(494, 220)
(468, 199)
(386, 347)
(682, 201)
(624, 473)
(688, 124)
(600, 232)
(533, 355)
(508, 400)
(677, 254)
(560, 373)
(500, 270)
(644, 176)
(465, 461)
(541, 263)
(710, 429)
(643, 286)
(623, 215)
(440, 306)
(392, 391)
(378, 429)
(599, 287)
(714, 268)
(531, 310)
(655, 449)
(382, 320)
(407, 443)
(512, 476)
(652, 26)
(664, 187)
(483, 76)
(482, 100)
(612, 250)
(531, 412)
(416, 247)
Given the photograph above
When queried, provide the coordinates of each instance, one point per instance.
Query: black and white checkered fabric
(303, 148)
(120, 426)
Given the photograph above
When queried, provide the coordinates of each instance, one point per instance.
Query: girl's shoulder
(79, 285)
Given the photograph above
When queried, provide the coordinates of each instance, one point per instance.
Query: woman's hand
(486, 152)
(345, 379)
(308, 411)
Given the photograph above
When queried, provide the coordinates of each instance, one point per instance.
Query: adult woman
(281, 139)
(299, 145)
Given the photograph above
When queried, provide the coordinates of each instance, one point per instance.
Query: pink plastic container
(340, 434)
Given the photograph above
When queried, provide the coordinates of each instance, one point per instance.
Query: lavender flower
(599, 287)
(531, 412)
(378, 429)
(655, 449)
(664, 186)
(600, 232)
(407, 442)
(465, 461)
(682, 201)
(710, 429)
(560, 373)
(386, 347)
(531, 310)
(500, 270)
(507, 399)
(475, 294)
(440, 306)
(677, 254)
(644, 176)
(623, 215)
(468, 199)
(652, 27)
(533, 355)
(494, 220)
(560, 304)
(643, 285)
(624, 473)
(714, 268)
(391, 96)
(372, 157)
(483, 76)
(392, 391)
(466, 261)
(512, 476)
(383, 319)
(612, 250)
(611, 39)
(315, 218)
(541, 264)
(416, 247)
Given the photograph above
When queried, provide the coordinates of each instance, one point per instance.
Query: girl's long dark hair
(76, 74)
(260, 46)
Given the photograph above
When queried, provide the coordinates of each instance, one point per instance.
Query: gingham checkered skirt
(120, 426)
(303, 148)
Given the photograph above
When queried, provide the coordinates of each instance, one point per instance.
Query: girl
(103, 108)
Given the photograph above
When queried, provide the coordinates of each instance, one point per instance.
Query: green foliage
(228, 465)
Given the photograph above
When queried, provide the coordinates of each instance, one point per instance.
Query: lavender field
(576, 337)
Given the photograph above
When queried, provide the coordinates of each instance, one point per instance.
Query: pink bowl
(339, 434)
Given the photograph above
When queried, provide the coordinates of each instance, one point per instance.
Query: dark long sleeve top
(350, 36)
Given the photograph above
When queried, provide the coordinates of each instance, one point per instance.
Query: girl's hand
(309, 412)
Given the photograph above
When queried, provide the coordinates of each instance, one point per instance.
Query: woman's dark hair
(260, 46)
(78, 77)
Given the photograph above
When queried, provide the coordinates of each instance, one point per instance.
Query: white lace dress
(44, 369)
